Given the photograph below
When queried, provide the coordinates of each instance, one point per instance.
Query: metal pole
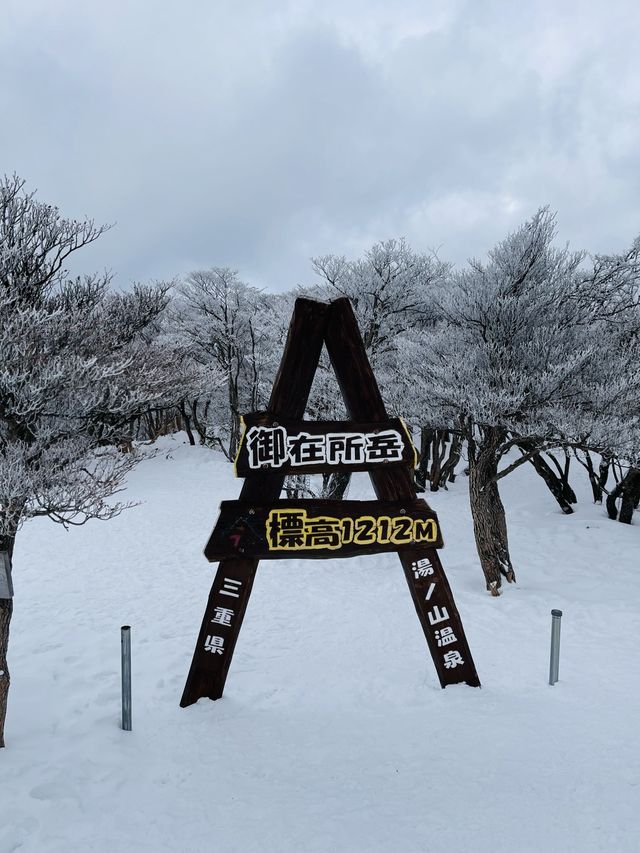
(125, 649)
(554, 663)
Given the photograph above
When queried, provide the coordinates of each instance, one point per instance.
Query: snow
(333, 734)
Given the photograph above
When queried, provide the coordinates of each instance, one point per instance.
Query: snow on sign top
(315, 447)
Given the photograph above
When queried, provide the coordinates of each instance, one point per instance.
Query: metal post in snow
(554, 662)
(125, 649)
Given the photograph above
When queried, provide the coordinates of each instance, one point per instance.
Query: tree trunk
(439, 450)
(186, 423)
(335, 485)
(597, 481)
(234, 418)
(605, 464)
(487, 510)
(6, 610)
(422, 471)
(563, 472)
(296, 487)
(434, 448)
(554, 483)
(199, 424)
(449, 467)
(629, 490)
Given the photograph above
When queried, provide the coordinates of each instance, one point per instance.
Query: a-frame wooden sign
(261, 526)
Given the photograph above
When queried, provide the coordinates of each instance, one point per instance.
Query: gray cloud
(258, 134)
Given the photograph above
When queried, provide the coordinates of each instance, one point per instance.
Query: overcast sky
(258, 134)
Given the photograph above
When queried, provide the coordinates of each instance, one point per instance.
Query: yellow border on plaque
(392, 539)
(413, 447)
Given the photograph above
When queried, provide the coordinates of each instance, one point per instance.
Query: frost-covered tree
(616, 288)
(388, 288)
(225, 323)
(74, 370)
(519, 357)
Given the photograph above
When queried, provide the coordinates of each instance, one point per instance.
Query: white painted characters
(272, 447)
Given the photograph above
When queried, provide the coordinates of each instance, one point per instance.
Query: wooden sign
(261, 526)
(6, 586)
(312, 447)
(321, 529)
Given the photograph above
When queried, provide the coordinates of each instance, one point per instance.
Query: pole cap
(556, 612)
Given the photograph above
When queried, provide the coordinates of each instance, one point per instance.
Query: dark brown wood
(312, 323)
(272, 443)
(431, 593)
(208, 671)
(439, 617)
(487, 509)
(7, 544)
(6, 610)
(629, 490)
(6, 585)
(321, 528)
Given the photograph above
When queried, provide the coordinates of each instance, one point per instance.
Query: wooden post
(210, 663)
(425, 576)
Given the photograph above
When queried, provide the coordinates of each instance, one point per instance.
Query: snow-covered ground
(333, 734)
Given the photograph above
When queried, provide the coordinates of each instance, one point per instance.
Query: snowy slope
(333, 734)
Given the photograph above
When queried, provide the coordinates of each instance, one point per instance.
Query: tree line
(530, 357)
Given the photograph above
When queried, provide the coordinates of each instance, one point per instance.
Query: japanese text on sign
(444, 635)
(294, 530)
(273, 447)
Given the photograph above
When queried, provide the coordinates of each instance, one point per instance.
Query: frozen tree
(388, 288)
(187, 379)
(226, 324)
(616, 288)
(74, 369)
(610, 305)
(520, 358)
